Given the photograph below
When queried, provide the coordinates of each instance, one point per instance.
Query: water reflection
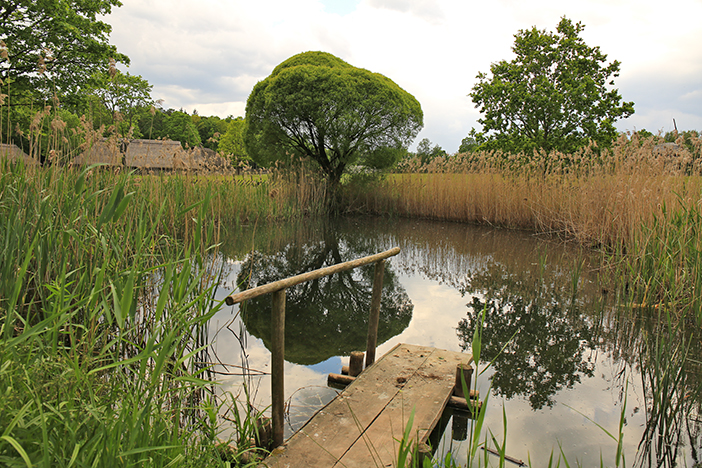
(328, 316)
(575, 355)
(540, 341)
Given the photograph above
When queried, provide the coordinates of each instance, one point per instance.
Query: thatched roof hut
(12, 153)
(152, 154)
(209, 160)
(158, 154)
(101, 152)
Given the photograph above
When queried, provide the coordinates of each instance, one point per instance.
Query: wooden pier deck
(361, 426)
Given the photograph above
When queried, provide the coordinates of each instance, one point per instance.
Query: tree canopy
(318, 106)
(232, 142)
(123, 96)
(427, 153)
(55, 46)
(556, 94)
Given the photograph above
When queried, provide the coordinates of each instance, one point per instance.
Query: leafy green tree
(427, 153)
(211, 129)
(55, 46)
(123, 95)
(469, 143)
(152, 122)
(318, 106)
(555, 94)
(232, 142)
(180, 127)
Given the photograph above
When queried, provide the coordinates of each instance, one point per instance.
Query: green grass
(103, 309)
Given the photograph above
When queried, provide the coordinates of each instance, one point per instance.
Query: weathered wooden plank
(426, 392)
(329, 434)
(404, 374)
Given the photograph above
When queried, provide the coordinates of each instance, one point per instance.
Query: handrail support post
(278, 367)
(374, 312)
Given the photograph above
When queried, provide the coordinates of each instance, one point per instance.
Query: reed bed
(637, 201)
(597, 197)
(282, 194)
(107, 280)
(105, 296)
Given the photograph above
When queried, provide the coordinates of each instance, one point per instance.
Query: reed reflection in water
(572, 354)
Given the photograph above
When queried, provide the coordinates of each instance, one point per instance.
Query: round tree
(318, 106)
(556, 94)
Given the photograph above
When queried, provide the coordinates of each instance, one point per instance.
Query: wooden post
(355, 363)
(464, 372)
(277, 366)
(423, 452)
(374, 312)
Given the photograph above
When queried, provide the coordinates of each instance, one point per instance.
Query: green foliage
(318, 106)
(103, 318)
(383, 157)
(157, 123)
(554, 95)
(469, 144)
(211, 129)
(37, 133)
(55, 46)
(232, 142)
(180, 127)
(427, 153)
(123, 96)
(152, 122)
(690, 139)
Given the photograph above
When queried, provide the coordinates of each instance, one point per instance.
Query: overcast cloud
(207, 55)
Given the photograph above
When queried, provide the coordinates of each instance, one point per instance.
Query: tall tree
(123, 95)
(318, 106)
(180, 127)
(211, 129)
(232, 142)
(55, 45)
(427, 153)
(556, 94)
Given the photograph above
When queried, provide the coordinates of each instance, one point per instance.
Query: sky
(206, 55)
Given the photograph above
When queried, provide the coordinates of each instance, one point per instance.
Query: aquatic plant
(102, 321)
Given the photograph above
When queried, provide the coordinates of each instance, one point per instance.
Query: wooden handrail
(277, 288)
(309, 276)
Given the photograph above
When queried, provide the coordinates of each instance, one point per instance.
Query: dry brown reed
(595, 197)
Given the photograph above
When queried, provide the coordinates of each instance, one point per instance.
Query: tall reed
(598, 197)
(102, 320)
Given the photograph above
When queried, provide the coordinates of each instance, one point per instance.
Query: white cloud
(427, 10)
(208, 54)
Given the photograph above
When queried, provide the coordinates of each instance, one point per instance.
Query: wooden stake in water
(464, 373)
(355, 363)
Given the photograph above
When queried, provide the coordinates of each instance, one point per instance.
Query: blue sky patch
(340, 7)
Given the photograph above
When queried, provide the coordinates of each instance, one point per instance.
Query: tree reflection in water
(329, 316)
(547, 338)
(560, 336)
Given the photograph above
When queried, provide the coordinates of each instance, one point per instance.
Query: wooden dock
(361, 427)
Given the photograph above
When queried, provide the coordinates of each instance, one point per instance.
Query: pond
(559, 354)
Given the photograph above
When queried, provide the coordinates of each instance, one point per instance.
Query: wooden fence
(277, 289)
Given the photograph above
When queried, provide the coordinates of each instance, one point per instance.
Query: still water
(556, 354)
